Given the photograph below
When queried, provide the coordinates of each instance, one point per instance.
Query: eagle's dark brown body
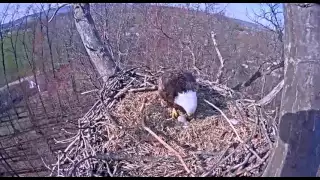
(173, 82)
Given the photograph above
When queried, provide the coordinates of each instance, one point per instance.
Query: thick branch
(97, 52)
(271, 95)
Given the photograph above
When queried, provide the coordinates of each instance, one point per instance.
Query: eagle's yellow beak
(174, 114)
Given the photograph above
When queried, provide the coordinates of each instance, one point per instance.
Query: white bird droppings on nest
(136, 136)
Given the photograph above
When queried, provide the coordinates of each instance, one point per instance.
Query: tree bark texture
(297, 152)
(96, 50)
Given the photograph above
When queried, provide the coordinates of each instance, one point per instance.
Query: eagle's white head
(188, 101)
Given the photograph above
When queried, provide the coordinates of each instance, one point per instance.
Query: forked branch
(56, 11)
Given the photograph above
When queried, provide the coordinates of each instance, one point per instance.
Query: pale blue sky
(235, 10)
(243, 10)
(22, 8)
(238, 10)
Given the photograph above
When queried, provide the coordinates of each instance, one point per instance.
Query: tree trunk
(96, 50)
(297, 152)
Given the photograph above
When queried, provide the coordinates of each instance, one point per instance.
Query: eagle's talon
(174, 114)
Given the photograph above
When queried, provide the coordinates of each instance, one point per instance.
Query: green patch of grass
(11, 60)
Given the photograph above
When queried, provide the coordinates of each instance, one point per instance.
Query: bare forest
(78, 89)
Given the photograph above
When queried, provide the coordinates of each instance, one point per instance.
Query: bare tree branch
(271, 95)
(56, 11)
(271, 15)
(257, 75)
(219, 74)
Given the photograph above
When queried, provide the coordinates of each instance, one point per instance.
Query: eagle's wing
(166, 88)
(173, 82)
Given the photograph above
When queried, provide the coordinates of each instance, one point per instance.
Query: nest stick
(219, 161)
(168, 147)
(123, 91)
(86, 92)
(248, 169)
(245, 161)
(222, 113)
(161, 141)
(143, 89)
(93, 131)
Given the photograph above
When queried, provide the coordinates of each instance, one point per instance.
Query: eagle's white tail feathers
(188, 100)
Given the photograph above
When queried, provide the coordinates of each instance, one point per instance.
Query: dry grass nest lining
(129, 133)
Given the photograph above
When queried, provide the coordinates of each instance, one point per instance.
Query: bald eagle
(179, 89)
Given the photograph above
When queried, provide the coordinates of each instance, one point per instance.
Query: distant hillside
(247, 24)
(67, 9)
(31, 18)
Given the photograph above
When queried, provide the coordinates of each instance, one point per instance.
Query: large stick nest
(129, 132)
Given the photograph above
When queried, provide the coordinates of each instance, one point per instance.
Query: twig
(274, 121)
(123, 91)
(143, 89)
(143, 75)
(213, 37)
(265, 130)
(106, 157)
(108, 170)
(142, 106)
(112, 103)
(253, 152)
(217, 162)
(76, 165)
(45, 164)
(194, 60)
(86, 92)
(222, 113)
(58, 170)
(222, 161)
